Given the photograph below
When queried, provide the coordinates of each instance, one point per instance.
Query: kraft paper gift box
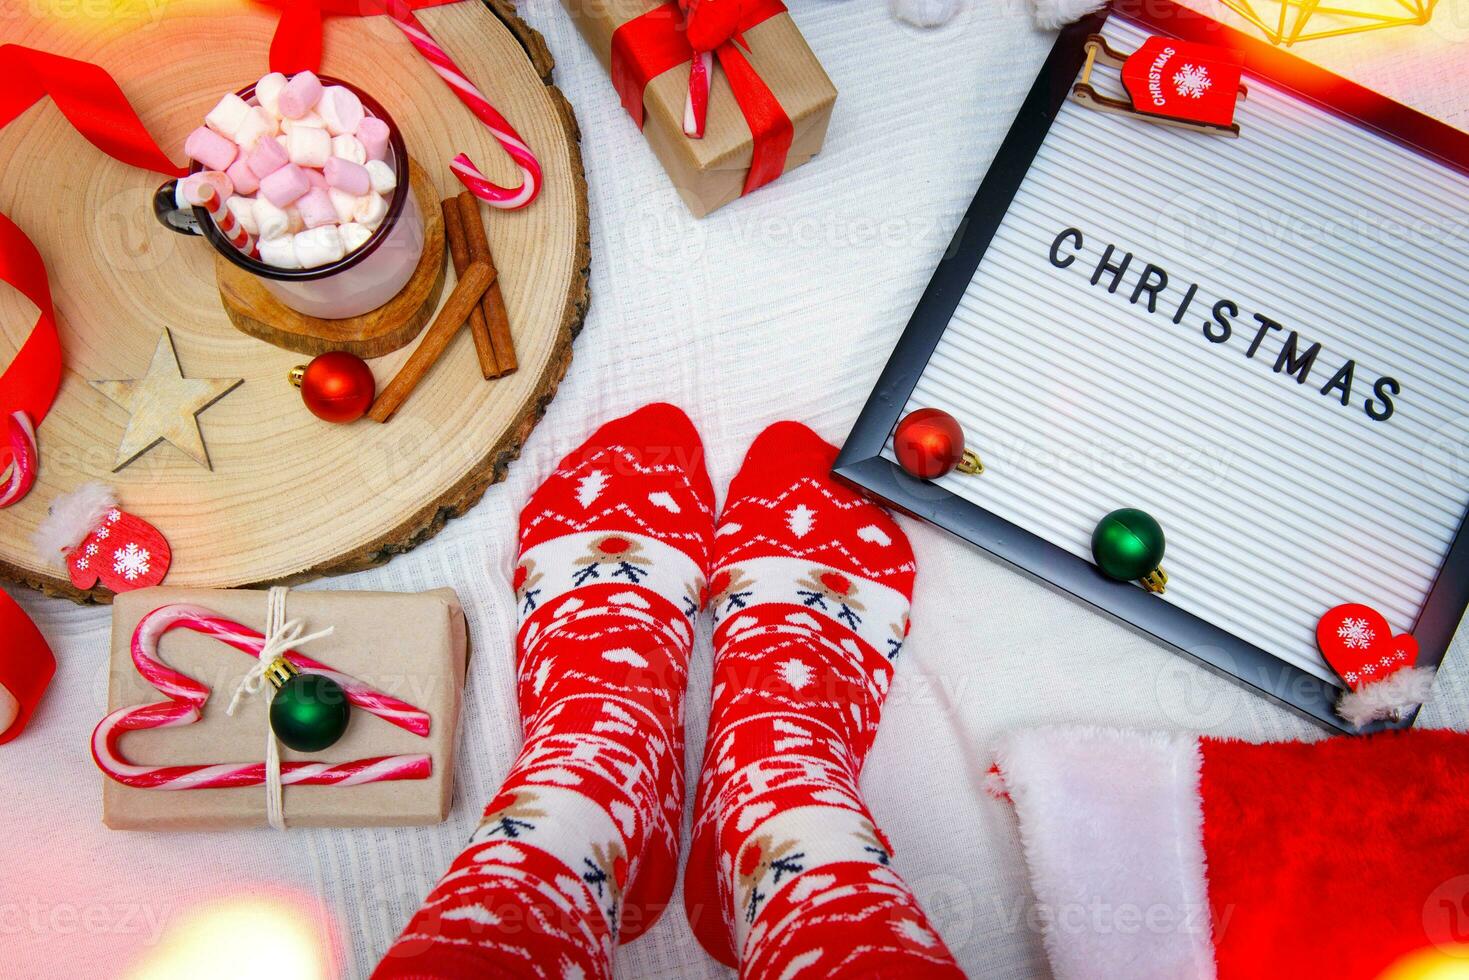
(711, 172)
(412, 646)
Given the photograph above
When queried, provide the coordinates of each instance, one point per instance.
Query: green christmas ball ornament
(1128, 546)
(309, 712)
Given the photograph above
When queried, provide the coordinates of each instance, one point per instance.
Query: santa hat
(1162, 856)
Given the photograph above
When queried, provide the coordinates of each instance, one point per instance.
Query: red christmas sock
(580, 847)
(810, 593)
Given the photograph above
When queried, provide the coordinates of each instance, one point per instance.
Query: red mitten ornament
(98, 541)
(1377, 666)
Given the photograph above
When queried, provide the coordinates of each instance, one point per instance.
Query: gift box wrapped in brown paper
(713, 171)
(412, 646)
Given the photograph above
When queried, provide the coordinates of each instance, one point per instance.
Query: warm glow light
(1442, 963)
(89, 14)
(276, 937)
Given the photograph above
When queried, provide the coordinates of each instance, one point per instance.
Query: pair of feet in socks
(809, 586)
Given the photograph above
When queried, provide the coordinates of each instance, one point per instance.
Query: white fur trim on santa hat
(1052, 15)
(1397, 693)
(1112, 830)
(71, 519)
(925, 13)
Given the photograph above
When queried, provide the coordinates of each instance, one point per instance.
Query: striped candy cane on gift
(507, 198)
(202, 194)
(186, 702)
(696, 104)
(20, 436)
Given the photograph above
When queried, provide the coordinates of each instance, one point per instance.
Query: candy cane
(696, 105)
(186, 701)
(507, 198)
(203, 194)
(21, 472)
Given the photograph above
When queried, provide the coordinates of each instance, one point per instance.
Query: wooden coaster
(290, 496)
(252, 309)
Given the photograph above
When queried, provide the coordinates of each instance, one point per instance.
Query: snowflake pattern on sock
(810, 592)
(579, 849)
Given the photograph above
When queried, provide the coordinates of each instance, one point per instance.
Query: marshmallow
(186, 191)
(293, 220)
(243, 208)
(300, 95)
(267, 156)
(308, 147)
(349, 148)
(209, 148)
(348, 176)
(354, 236)
(279, 252)
(271, 220)
(284, 185)
(340, 109)
(268, 92)
(258, 124)
(373, 134)
(243, 178)
(370, 210)
(309, 121)
(318, 246)
(228, 116)
(344, 203)
(317, 178)
(316, 208)
(382, 176)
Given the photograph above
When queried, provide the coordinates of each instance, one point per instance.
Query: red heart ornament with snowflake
(1184, 80)
(1360, 646)
(122, 551)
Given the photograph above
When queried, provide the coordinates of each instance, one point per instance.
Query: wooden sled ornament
(1169, 81)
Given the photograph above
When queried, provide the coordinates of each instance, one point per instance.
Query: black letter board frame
(862, 464)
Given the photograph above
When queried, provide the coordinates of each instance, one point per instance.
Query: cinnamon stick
(493, 303)
(479, 329)
(467, 292)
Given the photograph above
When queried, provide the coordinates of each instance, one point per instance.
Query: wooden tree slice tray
(252, 308)
(289, 497)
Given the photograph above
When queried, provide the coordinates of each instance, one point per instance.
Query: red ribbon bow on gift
(663, 38)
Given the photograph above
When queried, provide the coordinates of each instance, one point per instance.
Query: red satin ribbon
(647, 46)
(91, 100)
(297, 42)
(26, 663)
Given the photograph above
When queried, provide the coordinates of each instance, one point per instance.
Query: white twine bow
(281, 635)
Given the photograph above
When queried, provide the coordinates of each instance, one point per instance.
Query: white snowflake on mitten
(1355, 633)
(1192, 81)
(131, 561)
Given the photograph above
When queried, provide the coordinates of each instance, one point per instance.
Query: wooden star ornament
(163, 406)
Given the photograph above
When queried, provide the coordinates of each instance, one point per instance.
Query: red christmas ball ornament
(929, 442)
(336, 386)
